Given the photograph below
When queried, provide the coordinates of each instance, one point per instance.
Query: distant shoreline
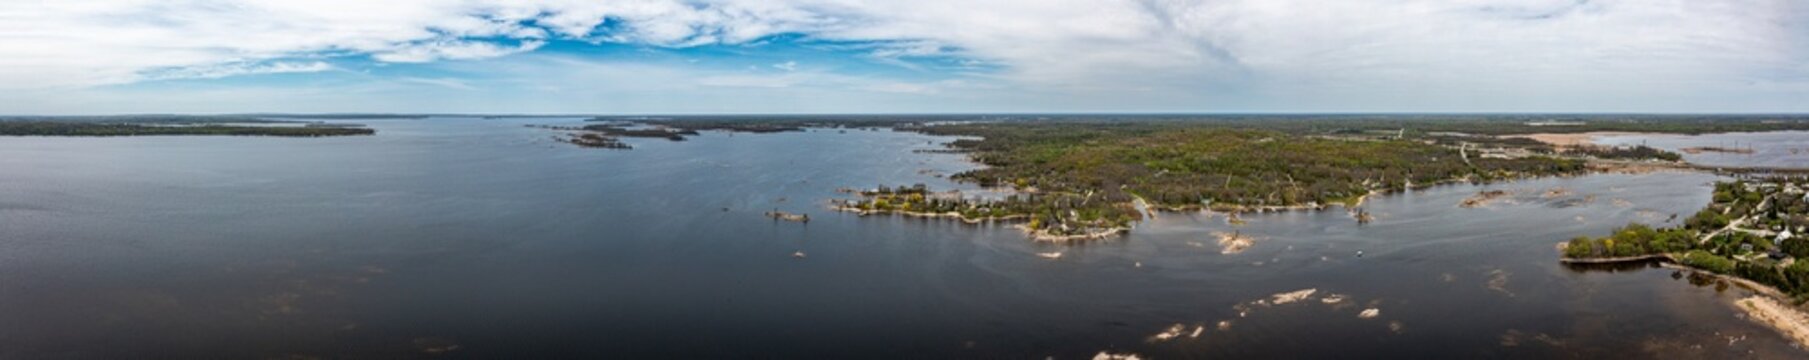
(86, 129)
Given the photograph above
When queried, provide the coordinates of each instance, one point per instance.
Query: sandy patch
(1785, 319)
(1572, 139)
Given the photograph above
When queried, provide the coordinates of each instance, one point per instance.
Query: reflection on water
(482, 238)
(1626, 266)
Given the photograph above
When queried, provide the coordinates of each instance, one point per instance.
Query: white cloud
(1134, 54)
(216, 71)
(73, 44)
(452, 50)
(753, 81)
(903, 88)
(449, 83)
(787, 66)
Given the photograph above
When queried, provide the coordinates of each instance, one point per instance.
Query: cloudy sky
(902, 56)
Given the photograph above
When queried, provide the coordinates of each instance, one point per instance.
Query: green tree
(1711, 262)
(1797, 247)
(1626, 249)
(1580, 247)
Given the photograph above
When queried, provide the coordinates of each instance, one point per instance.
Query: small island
(591, 140)
(651, 132)
(608, 135)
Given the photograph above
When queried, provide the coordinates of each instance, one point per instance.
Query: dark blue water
(469, 238)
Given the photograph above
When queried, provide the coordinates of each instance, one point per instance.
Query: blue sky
(927, 56)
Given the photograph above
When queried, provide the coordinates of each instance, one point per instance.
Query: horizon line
(1002, 113)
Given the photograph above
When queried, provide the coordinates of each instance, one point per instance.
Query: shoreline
(1788, 320)
(1572, 139)
(1034, 234)
(1668, 260)
(1754, 286)
(930, 215)
(1619, 259)
(1150, 209)
(1767, 305)
(1590, 167)
(1100, 234)
(1578, 139)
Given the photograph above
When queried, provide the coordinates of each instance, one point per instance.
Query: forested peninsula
(1090, 176)
(159, 125)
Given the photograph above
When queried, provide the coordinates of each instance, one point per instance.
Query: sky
(902, 56)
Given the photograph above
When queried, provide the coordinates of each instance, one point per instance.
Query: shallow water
(1788, 149)
(482, 238)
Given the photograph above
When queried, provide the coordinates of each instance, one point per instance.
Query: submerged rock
(1234, 242)
(1170, 333)
(1105, 355)
(1483, 198)
(1292, 296)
